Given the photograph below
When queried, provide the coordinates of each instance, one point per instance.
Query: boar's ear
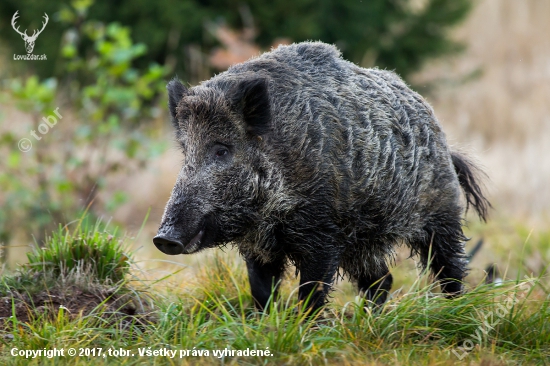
(176, 92)
(251, 98)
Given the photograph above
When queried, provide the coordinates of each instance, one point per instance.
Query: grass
(88, 259)
(87, 249)
(489, 325)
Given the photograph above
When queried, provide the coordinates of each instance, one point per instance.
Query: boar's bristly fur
(298, 156)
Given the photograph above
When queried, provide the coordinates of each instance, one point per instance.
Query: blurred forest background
(483, 65)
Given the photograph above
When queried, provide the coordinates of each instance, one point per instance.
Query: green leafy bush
(400, 34)
(106, 126)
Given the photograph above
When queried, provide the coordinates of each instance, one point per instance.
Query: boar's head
(218, 191)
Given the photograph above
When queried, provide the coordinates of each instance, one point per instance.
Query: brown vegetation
(504, 112)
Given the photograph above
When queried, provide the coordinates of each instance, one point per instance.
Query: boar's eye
(222, 152)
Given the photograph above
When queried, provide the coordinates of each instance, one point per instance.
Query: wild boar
(300, 157)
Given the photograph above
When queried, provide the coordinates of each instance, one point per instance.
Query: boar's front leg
(316, 278)
(264, 280)
(376, 285)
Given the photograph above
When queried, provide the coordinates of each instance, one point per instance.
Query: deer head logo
(29, 40)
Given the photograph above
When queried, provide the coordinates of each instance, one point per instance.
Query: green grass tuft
(88, 249)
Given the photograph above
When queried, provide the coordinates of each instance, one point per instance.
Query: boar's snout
(182, 233)
(168, 245)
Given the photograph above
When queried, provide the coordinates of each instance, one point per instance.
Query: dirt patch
(116, 307)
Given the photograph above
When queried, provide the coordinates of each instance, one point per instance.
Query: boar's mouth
(195, 243)
(172, 246)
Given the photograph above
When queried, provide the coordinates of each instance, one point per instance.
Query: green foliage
(22, 200)
(504, 324)
(89, 250)
(418, 327)
(399, 34)
(89, 254)
(106, 107)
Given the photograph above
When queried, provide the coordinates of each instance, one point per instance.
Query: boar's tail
(468, 177)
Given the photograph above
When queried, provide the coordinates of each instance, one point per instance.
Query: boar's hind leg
(264, 280)
(376, 287)
(444, 250)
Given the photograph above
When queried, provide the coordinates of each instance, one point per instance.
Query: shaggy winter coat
(300, 156)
